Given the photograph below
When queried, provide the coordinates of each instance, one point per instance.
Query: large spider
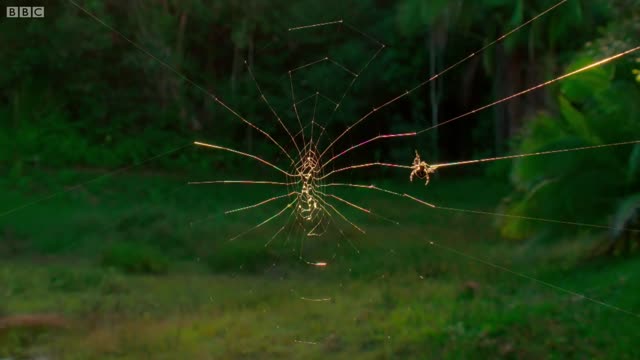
(421, 169)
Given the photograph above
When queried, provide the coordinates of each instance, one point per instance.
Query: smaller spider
(421, 169)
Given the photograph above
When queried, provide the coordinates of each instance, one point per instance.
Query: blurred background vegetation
(78, 100)
(76, 95)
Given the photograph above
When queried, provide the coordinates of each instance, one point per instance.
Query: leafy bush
(135, 258)
(594, 108)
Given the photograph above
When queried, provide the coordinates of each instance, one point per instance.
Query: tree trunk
(249, 137)
(184, 113)
(499, 91)
(433, 95)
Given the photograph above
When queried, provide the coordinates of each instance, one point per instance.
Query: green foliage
(594, 108)
(626, 214)
(135, 258)
(633, 167)
(58, 109)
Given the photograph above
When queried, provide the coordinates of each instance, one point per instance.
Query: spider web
(298, 137)
(311, 178)
(316, 207)
(315, 211)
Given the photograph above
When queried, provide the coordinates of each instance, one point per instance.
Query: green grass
(142, 267)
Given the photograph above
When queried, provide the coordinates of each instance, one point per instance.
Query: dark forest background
(76, 94)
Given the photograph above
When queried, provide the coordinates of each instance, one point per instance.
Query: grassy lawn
(141, 267)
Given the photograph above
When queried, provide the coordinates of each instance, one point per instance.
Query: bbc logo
(25, 11)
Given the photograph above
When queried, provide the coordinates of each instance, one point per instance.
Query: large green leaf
(576, 120)
(626, 213)
(633, 171)
(580, 87)
(518, 14)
